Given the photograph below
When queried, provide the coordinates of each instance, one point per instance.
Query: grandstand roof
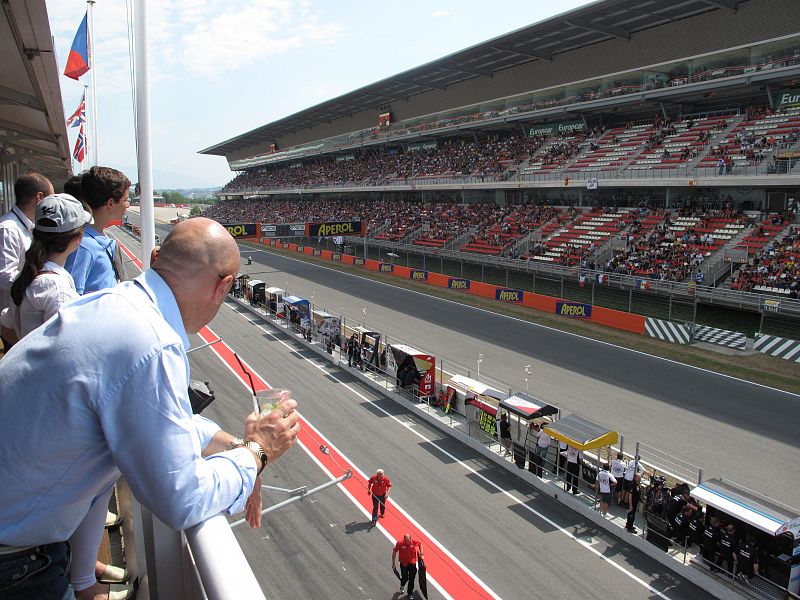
(32, 127)
(597, 22)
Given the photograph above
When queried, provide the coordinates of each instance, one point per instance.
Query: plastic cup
(269, 400)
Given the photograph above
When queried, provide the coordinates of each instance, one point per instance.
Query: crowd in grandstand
(488, 156)
(777, 267)
(655, 247)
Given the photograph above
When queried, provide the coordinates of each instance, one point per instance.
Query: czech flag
(78, 60)
(80, 147)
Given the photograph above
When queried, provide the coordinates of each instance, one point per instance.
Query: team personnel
(505, 434)
(378, 487)
(746, 557)
(727, 546)
(16, 231)
(710, 542)
(94, 266)
(618, 466)
(573, 469)
(409, 550)
(606, 482)
(634, 495)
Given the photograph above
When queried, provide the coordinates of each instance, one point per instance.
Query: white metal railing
(203, 562)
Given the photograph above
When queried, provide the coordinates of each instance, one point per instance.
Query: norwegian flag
(78, 118)
(80, 147)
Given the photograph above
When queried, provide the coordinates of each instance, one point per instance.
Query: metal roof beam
(423, 86)
(731, 4)
(26, 132)
(606, 29)
(529, 53)
(467, 71)
(9, 96)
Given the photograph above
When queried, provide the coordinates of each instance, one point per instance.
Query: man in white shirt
(605, 482)
(573, 468)
(618, 466)
(15, 232)
(542, 447)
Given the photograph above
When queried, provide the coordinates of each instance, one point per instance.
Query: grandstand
(657, 136)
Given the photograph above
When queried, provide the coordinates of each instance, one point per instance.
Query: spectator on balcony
(101, 390)
(94, 265)
(16, 227)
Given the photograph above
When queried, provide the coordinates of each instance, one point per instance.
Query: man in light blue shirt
(100, 391)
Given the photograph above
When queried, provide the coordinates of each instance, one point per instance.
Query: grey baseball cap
(60, 213)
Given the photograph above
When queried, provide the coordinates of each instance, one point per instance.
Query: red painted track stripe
(445, 571)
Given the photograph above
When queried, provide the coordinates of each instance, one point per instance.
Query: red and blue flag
(78, 59)
(80, 147)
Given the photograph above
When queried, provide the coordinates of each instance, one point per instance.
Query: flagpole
(85, 137)
(95, 144)
(144, 154)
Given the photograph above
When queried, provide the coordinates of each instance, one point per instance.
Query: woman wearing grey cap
(43, 284)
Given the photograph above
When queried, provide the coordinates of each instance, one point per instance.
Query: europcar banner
(238, 230)
(334, 228)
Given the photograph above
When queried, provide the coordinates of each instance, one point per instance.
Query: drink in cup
(268, 400)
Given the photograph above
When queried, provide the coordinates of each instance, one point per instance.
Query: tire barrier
(667, 331)
(720, 337)
(778, 347)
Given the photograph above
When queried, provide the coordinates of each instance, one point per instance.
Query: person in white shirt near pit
(605, 481)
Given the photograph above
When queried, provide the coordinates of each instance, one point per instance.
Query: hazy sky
(221, 68)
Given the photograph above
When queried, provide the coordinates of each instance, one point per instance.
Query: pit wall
(569, 310)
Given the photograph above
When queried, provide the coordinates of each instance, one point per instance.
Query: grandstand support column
(143, 143)
(769, 96)
(663, 111)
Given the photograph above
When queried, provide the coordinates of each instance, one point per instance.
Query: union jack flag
(78, 118)
(80, 147)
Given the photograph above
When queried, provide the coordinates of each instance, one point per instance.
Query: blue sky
(223, 67)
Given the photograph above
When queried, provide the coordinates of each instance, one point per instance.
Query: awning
(273, 290)
(581, 433)
(254, 282)
(475, 386)
(527, 407)
(294, 300)
(488, 408)
(747, 507)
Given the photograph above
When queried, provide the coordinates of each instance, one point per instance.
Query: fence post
(506, 276)
(621, 443)
(630, 299)
(699, 476)
(482, 275)
(561, 293)
(669, 310)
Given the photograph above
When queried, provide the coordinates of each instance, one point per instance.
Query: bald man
(100, 391)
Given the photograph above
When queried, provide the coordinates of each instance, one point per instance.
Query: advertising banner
(456, 283)
(556, 128)
(334, 228)
(508, 295)
(358, 261)
(386, 268)
(240, 230)
(574, 310)
(421, 146)
(418, 275)
(283, 230)
(788, 98)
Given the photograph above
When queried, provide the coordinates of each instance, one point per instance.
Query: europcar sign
(239, 230)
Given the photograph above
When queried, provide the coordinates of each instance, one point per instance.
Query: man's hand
(254, 507)
(275, 431)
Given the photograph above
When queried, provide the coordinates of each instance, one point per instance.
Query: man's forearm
(218, 443)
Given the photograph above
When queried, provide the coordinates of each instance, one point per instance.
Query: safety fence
(666, 300)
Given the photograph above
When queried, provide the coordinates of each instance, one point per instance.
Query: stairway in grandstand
(716, 138)
(614, 150)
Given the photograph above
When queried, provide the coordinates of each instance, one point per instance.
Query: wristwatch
(256, 449)
(234, 443)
